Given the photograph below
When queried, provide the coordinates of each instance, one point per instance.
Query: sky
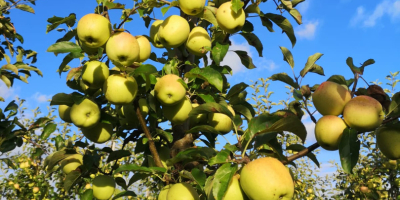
(338, 29)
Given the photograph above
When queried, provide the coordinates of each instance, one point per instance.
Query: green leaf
(259, 123)
(10, 67)
(116, 155)
(310, 63)
(252, 8)
(267, 23)
(221, 158)
(245, 59)
(137, 168)
(296, 2)
(206, 97)
(56, 21)
(87, 195)
(237, 5)
(339, 79)
(236, 89)
(222, 178)
(208, 74)
(203, 129)
(299, 147)
(254, 41)
(290, 123)
(247, 112)
(25, 7)
(68, 58)
(284, 78)
(136, 177)
(192, 154)
(121, 182)
(209, 15)
(167, 135)
(12, 106)
(48, 130)
(358, 70)
(349, 150)
(287, 56)
(284, 24)
(62, 99)
(211, 107)
(199, 176)
(64, 47)
(394, 107)
(315, 69)
(71, 180)
(219, 51)
(165, 9)
(124, 194)
(296, 15)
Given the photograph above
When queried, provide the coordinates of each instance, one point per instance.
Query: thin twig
(301, 153)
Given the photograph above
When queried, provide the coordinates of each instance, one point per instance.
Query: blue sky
(337, 29)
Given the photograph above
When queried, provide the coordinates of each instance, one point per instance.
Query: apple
(144, 108)
(364, 189)
(363, 113)
(174, 31)
(234, 192)
(228, 20)
(198, 119)
(182, 191)
(145, 48)
(86, 114)
(91, 51)
(221, 122)
(123, 48)
(16, 186)
(64, 112)
(72, 162)
(192, 7)
(24, 165)
(387, 139)
(309, 190)
(163, 193)
(267, 178)
(328, 131)
(330, 98)
(35, 190)
(197, 40)
(94, 74)
(93, 30)
(178, 113)
(154, 39)
(103, 187)
(100, 133)
(169, 90)
(120, 90)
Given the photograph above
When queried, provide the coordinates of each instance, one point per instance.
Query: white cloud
(387, 8)
(265, 64)
(307, 30)
(5, 92)
(310, 126)
(232, 59)
(303, 7)
(41, 98)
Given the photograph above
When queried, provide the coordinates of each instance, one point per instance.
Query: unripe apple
(154, 39)
(178, 113)
(309, 190)
(192, 7)
(16, 186)
(10, 183)
(103, 187)
(144, 108)
(86, 114)
(120, 90)
(328, 131)
(169, 90)
(64, 112)
(145, 48)
(93, 30)
(174, 31)
(88, 186)
(197, 40)
(163, 193)
(24, 165)
(388, 140)
(267, 178)
(100, 133)
(123, 48)
(228, 20)
(363, 113)
(72, 162)
(221, 122)
(94, 74)
(198, 119)
(330, 98)
(364, 189)
(234, 191)
(182, 191)
(35, 190)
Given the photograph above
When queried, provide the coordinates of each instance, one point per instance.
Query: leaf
(287, 56)
(284, 24)
(192, 154)
(254, 41)
(64, 47)
(221, 158)
(290, 123)
(56, 21)
(246, 111)
(167, 135)
(358, 70)
(71, 180)
(87, 195)
(25, 7)
(68, 58)
(296, 15)
(259, 123)
(209, 15)
(394, 107)
(199, 176)
(349, 150)
(116, 155)
(137, 168)
(48, 130)
(315, 69)
(6, 80)
(206, 97)
(208, 74)
(237, 5)
(211, 107)
(245, 59)
(296, 2)
(203, 129)
(236, 89)
(267, 23)
(284, 78)
(121, 182)
(12, 106)
(62, 99)
(310, 63)
(222, 178)
(10, 67)
(124, 194)
(219, 51)
(165, 9)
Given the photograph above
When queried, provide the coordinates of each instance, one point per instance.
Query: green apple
(330, 98)
(123, 48)
(64, 112)
(221, 122)
(163, 193)
(192, 7)
(120, 90)
(169, 90)
(234, 191)
(387, 139)
(363, 113)
(228, 20)
(267, 178)
(100, 133)
(93, 30)
(197, 40)
(178, 113)
(35, 190)
(154, 39)
(86, 114)
(103, 187)
(198, 119)
(145, 48)
(182, 191)
(174, 31)
(72, 162)
(328, 131)
(144, 108)
(95, 73)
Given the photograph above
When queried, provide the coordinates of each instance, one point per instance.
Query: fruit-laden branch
(301, 153)
(146, 131)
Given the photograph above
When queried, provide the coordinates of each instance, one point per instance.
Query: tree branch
(302, 153)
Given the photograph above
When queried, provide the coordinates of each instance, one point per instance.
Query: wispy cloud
(310, 127)
(307, 30)
(41, 98)
(232, 59)
(303, 7)
(6, 92)
(386, 8)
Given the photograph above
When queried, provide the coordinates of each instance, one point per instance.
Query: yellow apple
(64, 112)
(88, 186)
(197, 40)
(228, 20)
(163, 193)
(169, 90)
(192, 7)
(123, 48)
(182, 191)
(364, 189)
(174, 31)
(388, 139)
(86, 114)
(24, 165)
(328, 131)
(103, 187)
(120, 90)
(100, 133)
(178, 113)
(16, 186)
(330, 98)
(144, 108)
(94, 74)
(221, 122)
(145, 48)
(35, 190)
(72, 162)
(267, 178)
(198, 119)
(154, 39)
(234, 191)
(363, 113)
(93, 30)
